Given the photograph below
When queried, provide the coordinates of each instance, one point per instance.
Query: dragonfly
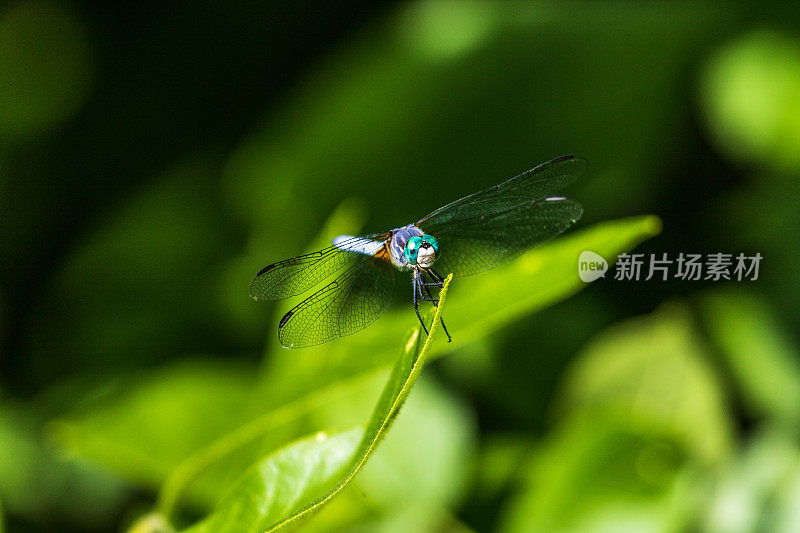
(472, 235)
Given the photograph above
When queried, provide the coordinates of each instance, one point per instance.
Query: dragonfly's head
(421, 251)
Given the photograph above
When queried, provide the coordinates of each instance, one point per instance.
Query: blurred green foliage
(44, 67)
(154, 156)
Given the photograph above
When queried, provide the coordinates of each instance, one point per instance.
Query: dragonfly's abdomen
(381, 250)
(361, 245)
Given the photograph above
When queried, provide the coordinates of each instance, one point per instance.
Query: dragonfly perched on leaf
(471, 235)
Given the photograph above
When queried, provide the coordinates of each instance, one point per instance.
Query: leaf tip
(152, 523)
(653, 225)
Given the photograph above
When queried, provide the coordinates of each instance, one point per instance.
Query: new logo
(591, 266)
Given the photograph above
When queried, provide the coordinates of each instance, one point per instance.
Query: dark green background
(154, 156)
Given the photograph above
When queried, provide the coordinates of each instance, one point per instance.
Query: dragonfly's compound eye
(428, 249)
(430, 239)
(411, 251)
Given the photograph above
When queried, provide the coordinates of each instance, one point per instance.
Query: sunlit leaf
(655, 370)
(298, 479)
(599, 474)
(641, 422)
(432, 439)
(283, 484)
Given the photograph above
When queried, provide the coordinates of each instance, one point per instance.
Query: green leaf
(600, 474)
(303, 476)
(285, 483)
(654, 369)
(642, 422)
(433, 440)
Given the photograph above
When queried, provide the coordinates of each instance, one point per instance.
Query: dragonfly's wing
(491, 227)
(482, 242)
(349, 303)
(540, 182)
(296, 275)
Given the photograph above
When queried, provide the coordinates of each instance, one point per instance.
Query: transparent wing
(537, 183)
(294, 276)
(481, 243)
(349, 303)
(491, 227)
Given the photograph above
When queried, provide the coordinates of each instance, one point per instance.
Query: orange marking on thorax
(383, 254)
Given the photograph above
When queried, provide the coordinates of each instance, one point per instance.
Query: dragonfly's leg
(427, 290)
(441, 319)
(436, 282)
(449, 338)
(430, 298)
(415, 286)
(437, 277)
(422, 298)
(419, 285)
(422, 285)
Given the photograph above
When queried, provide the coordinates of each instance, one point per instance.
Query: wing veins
(333, 297)
(286, 278)
(530, 179)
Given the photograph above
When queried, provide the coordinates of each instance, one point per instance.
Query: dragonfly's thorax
(397, 247)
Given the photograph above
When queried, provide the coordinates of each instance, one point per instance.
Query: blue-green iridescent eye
(412, 247)
(430, 239)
